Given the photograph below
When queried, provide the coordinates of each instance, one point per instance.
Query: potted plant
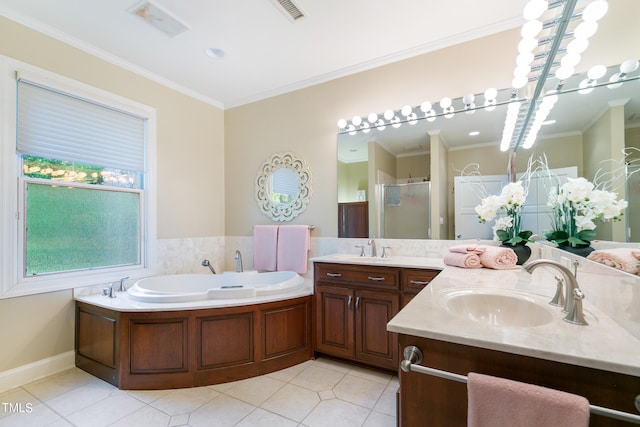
(575, 206)
(507, 228)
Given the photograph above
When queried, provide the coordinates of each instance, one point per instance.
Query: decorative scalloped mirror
(283, 186)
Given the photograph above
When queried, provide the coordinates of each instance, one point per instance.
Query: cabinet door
(334, 321)
(374, 345)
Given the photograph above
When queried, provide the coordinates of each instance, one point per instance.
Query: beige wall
(414, 166)
(352, 177)
(305, 121)
(190, 169)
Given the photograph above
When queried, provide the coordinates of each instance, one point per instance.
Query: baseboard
(24, 374)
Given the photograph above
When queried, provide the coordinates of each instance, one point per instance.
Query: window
(83, 161)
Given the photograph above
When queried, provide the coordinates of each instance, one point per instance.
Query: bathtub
(229, 285)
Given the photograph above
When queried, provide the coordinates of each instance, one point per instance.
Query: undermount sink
(498, 308)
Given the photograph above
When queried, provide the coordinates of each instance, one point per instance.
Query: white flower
(577, 189)
(513, 194)
(489, 207)
(584, 223)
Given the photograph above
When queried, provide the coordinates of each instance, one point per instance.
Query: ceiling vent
(160, 18)
(289, 9)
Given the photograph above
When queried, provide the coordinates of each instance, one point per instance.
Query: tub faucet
(206, 263)
(372, 243)
(573, 294)
(238, 258)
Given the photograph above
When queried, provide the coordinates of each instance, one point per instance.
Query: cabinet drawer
(368, 276)
(416, 280)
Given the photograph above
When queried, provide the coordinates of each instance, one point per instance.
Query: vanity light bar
(425, 111)
(529, 124)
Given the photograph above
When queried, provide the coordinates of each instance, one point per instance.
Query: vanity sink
(498, 307)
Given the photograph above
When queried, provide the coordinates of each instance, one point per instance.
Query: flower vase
(582, 251)
(523, 252)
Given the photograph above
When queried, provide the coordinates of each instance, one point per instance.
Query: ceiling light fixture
(214, 52)
(160, 18)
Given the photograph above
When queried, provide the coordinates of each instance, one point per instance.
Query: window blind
(58, 125)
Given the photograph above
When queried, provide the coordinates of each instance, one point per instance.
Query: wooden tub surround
(147, 350)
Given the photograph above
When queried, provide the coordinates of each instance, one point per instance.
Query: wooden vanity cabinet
(425, 400)
(414, 280)
(354, 303)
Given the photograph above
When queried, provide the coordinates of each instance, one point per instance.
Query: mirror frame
(280, 211)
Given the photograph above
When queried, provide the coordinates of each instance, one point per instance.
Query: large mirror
(407, 153)
(283, 186)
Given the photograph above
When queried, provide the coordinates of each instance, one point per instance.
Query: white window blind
(58, 125)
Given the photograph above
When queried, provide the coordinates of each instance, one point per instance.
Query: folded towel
(457, 259)
(498, 402)
(293, 245)
(498, 258)
(465, 249)
(625, 259)
(265, 241)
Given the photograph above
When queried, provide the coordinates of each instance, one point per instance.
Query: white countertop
(603, 344)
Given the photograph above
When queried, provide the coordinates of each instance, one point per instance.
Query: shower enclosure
(406, 211)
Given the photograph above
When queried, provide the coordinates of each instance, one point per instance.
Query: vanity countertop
(395, 261)
(603, 344)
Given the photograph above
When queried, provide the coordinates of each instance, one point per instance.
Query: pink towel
(293, 245)
(457, 259)
(465, 249)
(625, 259)
(498, 258)
(265, 241)
(497, 402)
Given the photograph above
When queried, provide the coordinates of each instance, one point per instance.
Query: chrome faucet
(372, 243)
(206, 263)
(238, 258)
(574, 295)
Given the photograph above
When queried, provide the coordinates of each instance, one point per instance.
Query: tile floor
(316, 393)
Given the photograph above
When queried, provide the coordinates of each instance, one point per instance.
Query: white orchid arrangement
(510, 200)
(576, 205)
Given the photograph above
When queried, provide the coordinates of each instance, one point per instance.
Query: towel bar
(413, 356)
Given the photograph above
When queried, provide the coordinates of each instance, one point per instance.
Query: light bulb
(595, 10)
(577, 46)
(585, 30)
(380, 124)
(614, 81)
(490, 104)
(525, 58)
(445, 102)
(431, 115)
(448, 112)
(534, 8)
(468, 99)
(365, 127)
(406, 110)
(388, 115)
(596, 72)
(570, 60)
(521, 71)
(527, 45)
(425, 106)
(413, 118)
(342, 123)
(490, 93)
(519, 82)
(586, 86)
(531, 29)
(629, 66)
(356, 120)
(372, 118)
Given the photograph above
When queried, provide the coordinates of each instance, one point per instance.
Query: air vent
(160, 18)
(289, 9)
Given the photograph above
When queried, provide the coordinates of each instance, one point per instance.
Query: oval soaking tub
(197, 287)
